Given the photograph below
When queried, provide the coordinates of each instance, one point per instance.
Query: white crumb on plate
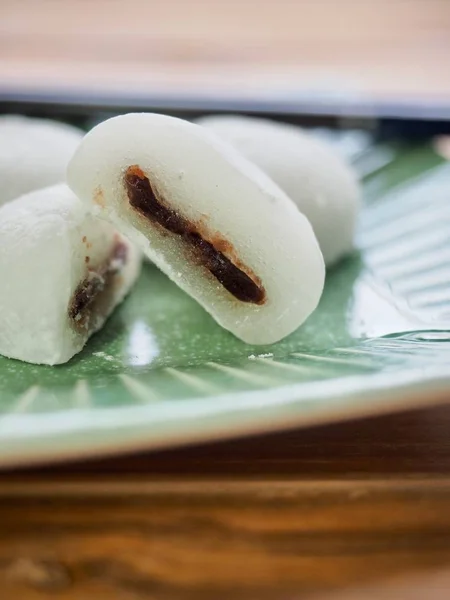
(254, 357)
(103, 355)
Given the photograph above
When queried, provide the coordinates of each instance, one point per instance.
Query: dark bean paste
(233, 279)
(97, 282)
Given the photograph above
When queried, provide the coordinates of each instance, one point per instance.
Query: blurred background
(349, 50)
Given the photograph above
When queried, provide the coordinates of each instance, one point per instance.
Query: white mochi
(33, 154)
(225, 199)
(49, 246)
(309, 170)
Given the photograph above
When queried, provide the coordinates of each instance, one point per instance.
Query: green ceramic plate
(163, 373)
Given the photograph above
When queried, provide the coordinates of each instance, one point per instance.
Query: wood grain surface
(380, 48)
(356, 510)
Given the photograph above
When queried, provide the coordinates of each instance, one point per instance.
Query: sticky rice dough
(309, 170)
(33, 154)
(62, 270)
(212, 221)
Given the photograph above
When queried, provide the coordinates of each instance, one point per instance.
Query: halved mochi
(63, 272)
(208, 218)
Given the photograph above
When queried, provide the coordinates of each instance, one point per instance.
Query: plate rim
(50, 442)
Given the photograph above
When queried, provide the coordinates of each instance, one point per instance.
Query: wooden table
(395, 49)
(356, 510)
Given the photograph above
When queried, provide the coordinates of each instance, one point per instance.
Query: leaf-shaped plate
(163, 373)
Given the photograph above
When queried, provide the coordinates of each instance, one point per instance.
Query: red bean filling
(233, 279)
(97, 281)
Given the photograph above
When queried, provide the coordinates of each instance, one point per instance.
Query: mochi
(33, 154)
(310, 171)
(211, 220)
(63, 272)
